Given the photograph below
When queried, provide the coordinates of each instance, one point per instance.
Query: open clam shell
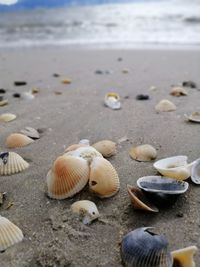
(106, 147)
(165, 106)
(143, 248)
(112, 100)
(194, 117)
(184, 257)
(6, 117)
(195, 172)
(86, 209)
(10, 234)
(143, 153)
(68, 176)
(18, 140)
(11, 163)
(139, 200)
(174, 167)
(104, 180)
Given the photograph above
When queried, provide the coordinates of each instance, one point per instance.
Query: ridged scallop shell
(11, 162)
(86, 209)
(165, 106)
(106, 147)
(104, 180)
(178, 91)
(68, 176)
(112, 100)
(143, 153)
(195, 172)
(10, 234)
(184, 257)
(74, 147)
(139, 200)
(6, 117)
(142, 248)
(18, 140)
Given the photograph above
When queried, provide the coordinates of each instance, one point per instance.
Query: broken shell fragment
(144, 248)
(6, 117)
(194, 117)
(86, 209)
(195, 172)
(178, 91)
(11, 163)
(18, 140)
(139, 200)
(143, 153)
(184, 257)
(31, 132)
(165, 106)
(106, 147)
(68, 176)
(104, 180)
(112, 100)
(10, 234)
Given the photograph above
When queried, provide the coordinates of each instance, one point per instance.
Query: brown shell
(18, 140)
(104, 180)
(165, 106)
(106, 147)
(143, 153)
(178, 91)
(68, 176)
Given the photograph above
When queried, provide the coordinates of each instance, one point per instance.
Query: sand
(52, 236)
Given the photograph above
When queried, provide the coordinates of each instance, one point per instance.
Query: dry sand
(52, 236)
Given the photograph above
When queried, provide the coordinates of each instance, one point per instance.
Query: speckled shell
(18, 140)
(178, 91)
(104, 180)
(11, 163)
(142, 248)
(143, 153)
(6, 117)
(184, 257)
(68, 176)
(165, 106)
(86, 209)
(10, 234)
(106, 147)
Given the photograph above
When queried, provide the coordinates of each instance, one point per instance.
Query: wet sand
(52, 236)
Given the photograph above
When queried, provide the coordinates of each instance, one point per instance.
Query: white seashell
(85, 142)
(18, 140)
(194, 117)
(184, 257)
(10, 234)
(106, 147)
(178, 91)
(11, 162)
(195, 172)
(6, 117)
(86, 209)
(143, 153)
(27, 96)
(31, 132)
(165, 106)
(112, 100)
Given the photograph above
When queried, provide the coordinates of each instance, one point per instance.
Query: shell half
(106, 147)
(165, 106)
(112, 100)
(184, 257)
(195, 172)
(18, 140)
(178, 91)
(143, 153)
(31, 132)
(6, 117)
(194, 117)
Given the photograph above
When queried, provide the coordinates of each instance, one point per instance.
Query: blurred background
(99, 23)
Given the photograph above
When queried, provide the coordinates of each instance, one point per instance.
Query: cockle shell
(194, 117)
(74, 147)
(86, 209)
(11, 162)
(195, 172)
(165, 105)
(104, 180)
(31, 132)
(139, 200)
(143, 153)
(106, 147)
(18, 140)
(112, 100)
(143, 248)
(10, 234)
(68, 176)
(178, 91)
(6, 117)
(184, 257)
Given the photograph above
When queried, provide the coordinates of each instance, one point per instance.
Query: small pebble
(98, 72)
(56, 75)
(180, 215)
(190, 84)
(119, 59)
(20, 83)
(125, 71)
(66, 81)
(2, 91)
(17, 95)
(142, 97)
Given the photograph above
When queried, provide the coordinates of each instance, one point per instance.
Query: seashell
(84, 141)
(3, 103)
(6, 117)
(165, 106)
(31, 132)
(66, 81)
(112, 100)
(18, 140)
(178, 91)
(174, 167)
(143, 248)
(190, 84)
(10, 234)
(86, 209)
(184, 257)
(162, 190)
(104, 180)
(27, 96)
(11, 162)
(74, 147)
(106, 148)
(68, 176)
(86, 152)
(194, 117)
(139, 200)
(195, 172)
(143, 153)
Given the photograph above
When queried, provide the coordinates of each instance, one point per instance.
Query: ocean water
(167, 22)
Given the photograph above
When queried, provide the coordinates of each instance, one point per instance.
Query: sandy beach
(52, 236)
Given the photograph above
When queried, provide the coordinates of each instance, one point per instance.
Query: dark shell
(195, 172)
(143, 248)
(190, 84)
(142, 97)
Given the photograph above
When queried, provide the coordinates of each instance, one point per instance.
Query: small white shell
(6, 117)
(27, 96)
(10, 234)
(184, 257)
(194, 117)
(165, 106)
(85, 142)
(112, 100)
(86, 209)
(178, 91)
(195, 172)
